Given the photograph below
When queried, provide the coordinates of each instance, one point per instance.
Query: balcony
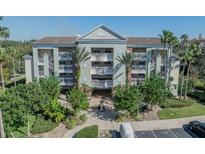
(40, 61)
(64, 56)
(102, 84)
(102, 57)
(139, 69)
(102, 71)
(141, 55)
(65, 69)
(137, 81)
(66, 81)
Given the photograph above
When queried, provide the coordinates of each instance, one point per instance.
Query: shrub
(127, 98)
(54, 111)
(70, 122)
(51, 86)
(176, 103)
(78, 100)
(14, 113)
(42, 125)
(82, 118)
(87, 132)
(32, 95)
(154, 90)
(199, 84)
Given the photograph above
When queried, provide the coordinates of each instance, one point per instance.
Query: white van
(126, 131)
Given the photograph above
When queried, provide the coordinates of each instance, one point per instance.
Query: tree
(154, 90)
(3, 57)
(127, 98)
(182, 49)
(12, 54)
(4, 33)
(128, 59)
(78, 100)
(190, 56)
(168, 39)
(79, 55)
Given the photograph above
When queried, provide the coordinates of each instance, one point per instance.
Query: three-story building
(50, 56)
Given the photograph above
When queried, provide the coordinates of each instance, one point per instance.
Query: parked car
(197, 128)
(126, 131)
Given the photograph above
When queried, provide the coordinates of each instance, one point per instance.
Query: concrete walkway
(136, 125)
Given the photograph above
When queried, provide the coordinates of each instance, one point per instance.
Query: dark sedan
(197, 128)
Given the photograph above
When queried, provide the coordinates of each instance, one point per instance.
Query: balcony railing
(65, 68)
(41, 73)
(102, 70)
(102, 84)
(64, 56)
(102, 57)
(66, 81)
(137, 81)
(141, 68)
(141, 55)
(40, 60)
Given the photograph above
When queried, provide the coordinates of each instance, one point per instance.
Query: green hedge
(176, 103)
(87, 132)
(41, 125)
(199, 95)
(199, 84)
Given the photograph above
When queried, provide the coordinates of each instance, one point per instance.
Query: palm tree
(4, 31)
(128, 59)
(183, 44)
(79, 55)
(190, 56)
(165, 40)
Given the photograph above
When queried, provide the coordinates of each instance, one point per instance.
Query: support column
(28, 68)
(46, 65)
(158, 64)
(148, 62)
(35, 62)
(56, 62)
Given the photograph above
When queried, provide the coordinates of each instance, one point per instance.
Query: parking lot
(163, 133)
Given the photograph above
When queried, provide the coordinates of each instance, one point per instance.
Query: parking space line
(154, 134)
(172, 133)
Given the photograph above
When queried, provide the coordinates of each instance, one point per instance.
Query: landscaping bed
(176, 103)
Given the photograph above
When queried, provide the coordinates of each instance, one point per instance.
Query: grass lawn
(194, 110)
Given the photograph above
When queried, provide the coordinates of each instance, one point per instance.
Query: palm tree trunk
(165, 65)
(14, 71)
(182, 82)
(78, 76)
(126, 71)
(187, 80)
(2, 76)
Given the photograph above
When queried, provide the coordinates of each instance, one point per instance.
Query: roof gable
(102, 32)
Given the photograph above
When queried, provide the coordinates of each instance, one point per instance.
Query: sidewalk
(136, 125)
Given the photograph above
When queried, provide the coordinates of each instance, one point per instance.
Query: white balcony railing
(66, 81)
(64, 56)
(102, 57)
(141, 68)
(102, 84)
(65, 69)
(102, 70)
(137, 81)
(141, 55)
